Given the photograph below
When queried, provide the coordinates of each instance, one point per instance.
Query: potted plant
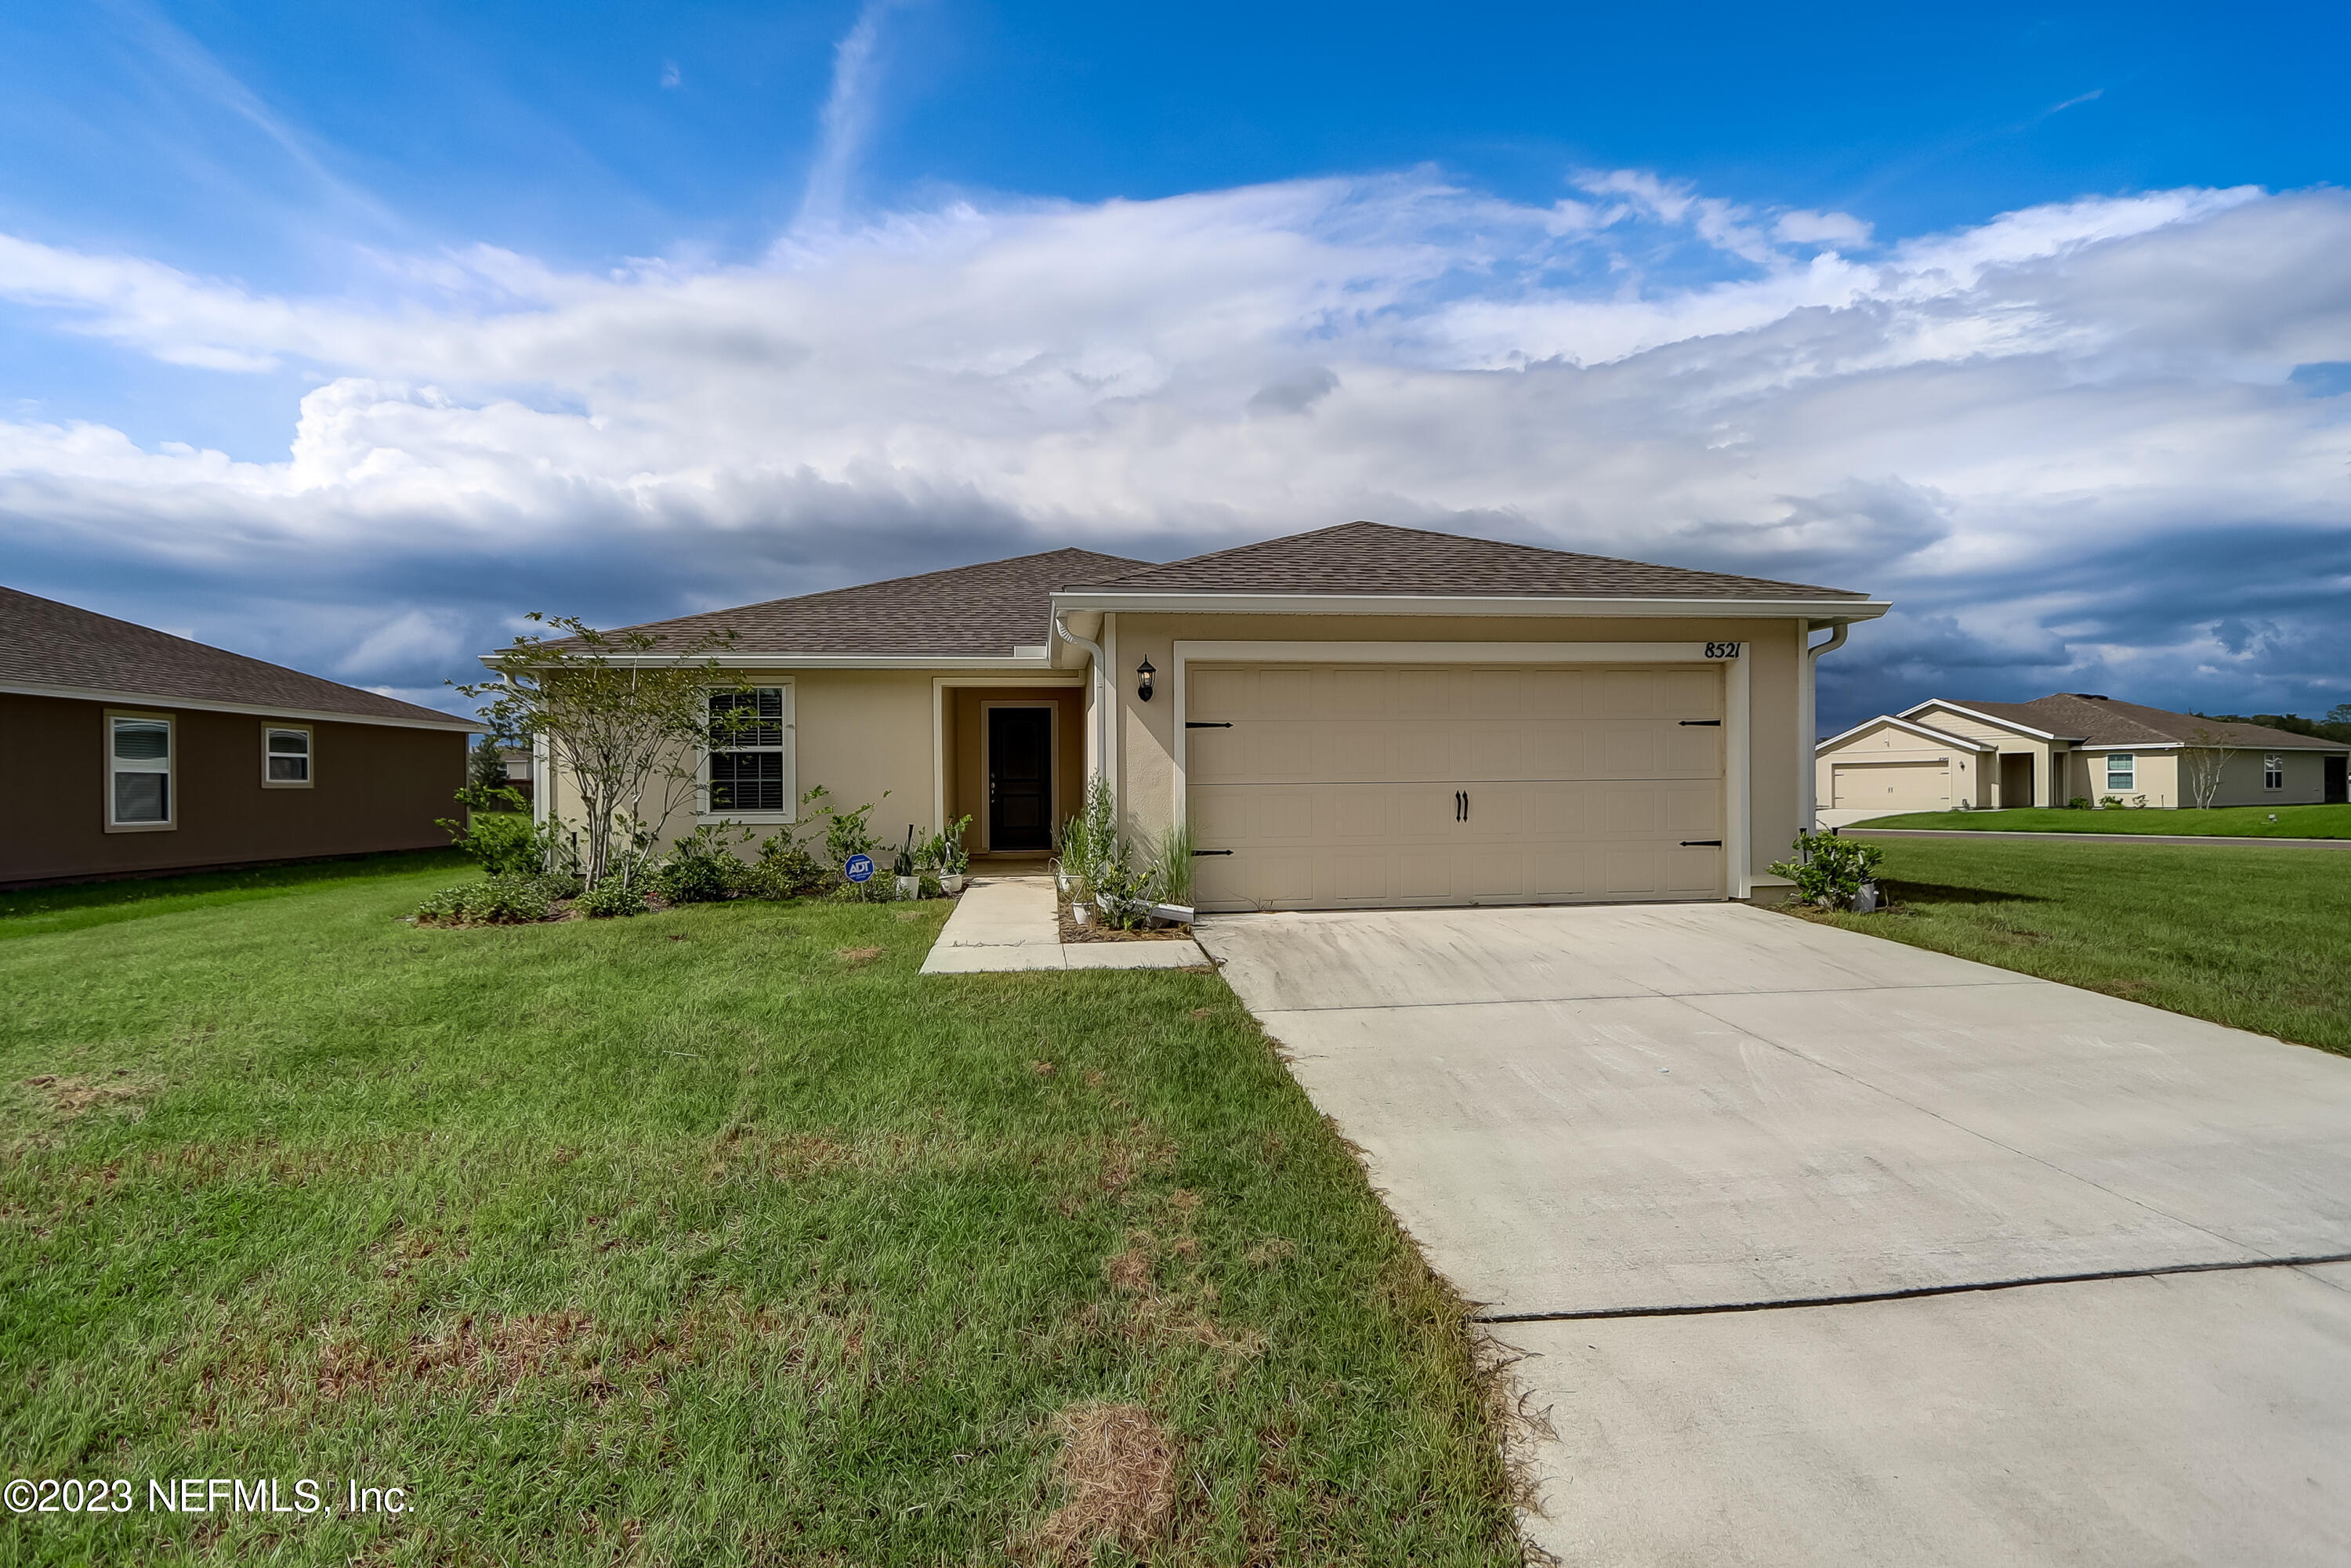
(910, 881)
(955, 860)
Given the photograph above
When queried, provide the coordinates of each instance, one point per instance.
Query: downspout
(1102, 708)
(1810, 795)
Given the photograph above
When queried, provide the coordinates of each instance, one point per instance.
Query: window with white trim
(286, 756)
(138, 771)
(2122, 770)
(2272, 772)
(747, 766)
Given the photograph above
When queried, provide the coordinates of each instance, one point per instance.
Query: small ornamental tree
(2203, 761)
(625, 715)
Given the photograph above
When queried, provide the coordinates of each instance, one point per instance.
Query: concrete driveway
(1824, 1249)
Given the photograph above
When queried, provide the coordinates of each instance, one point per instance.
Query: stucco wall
(866, 736)
(1144, 746)
(375, 788)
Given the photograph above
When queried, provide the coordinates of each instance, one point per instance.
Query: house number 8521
(1722, 650)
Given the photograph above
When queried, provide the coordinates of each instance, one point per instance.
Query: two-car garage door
(1325, 786)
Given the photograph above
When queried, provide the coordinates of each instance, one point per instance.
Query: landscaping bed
(2225, 821)
(2256, 938)
(717, 1235)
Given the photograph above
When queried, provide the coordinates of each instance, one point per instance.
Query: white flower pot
(1082, 915)
(909, 886)
(951, 882)
(1865, 902)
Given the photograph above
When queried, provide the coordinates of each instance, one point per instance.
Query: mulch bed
(1074, 932)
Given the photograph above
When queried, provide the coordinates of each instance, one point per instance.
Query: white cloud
(2038, 433)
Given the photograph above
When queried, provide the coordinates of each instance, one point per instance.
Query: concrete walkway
(1011, 923)
(1826, 1250)
(2189, 839)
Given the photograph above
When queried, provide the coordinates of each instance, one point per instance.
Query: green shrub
(702, 867)
(611, 897)
(1828, 871)
(497, 900)
(497, 833)
(784, 869)
(560, 884)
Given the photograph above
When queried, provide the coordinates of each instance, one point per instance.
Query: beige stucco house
(1941, 755)
(1362, 716)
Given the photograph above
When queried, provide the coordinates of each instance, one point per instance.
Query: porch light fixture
(1144, 671)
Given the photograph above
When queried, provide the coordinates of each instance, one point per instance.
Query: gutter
(1101, 667)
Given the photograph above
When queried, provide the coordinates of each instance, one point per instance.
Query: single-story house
(126, 751)
(1941, 755)
(1361, 715)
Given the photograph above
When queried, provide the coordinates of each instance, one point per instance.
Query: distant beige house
(1362, 716)
(1943, 756)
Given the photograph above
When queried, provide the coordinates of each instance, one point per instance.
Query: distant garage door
(1893, 785)
(1332, 786)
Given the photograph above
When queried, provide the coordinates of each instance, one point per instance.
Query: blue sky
(343, 334)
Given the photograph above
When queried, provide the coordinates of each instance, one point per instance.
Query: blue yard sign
(859, 869)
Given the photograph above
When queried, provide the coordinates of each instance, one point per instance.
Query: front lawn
(2255, 939)
(2224, 822)
(714, 1235)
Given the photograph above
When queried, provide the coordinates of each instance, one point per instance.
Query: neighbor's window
(286, 757)
(2272, 772)
(139, 772)
(2121, 772)
(748, 771)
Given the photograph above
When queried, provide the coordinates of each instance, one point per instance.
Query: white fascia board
(1820, 609)
(1936, 735)
(732, 662)
(198, 705)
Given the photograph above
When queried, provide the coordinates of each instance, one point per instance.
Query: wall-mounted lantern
(1142, 674)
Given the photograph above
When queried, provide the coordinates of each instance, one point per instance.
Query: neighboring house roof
(1374, 558)
(48, 648)
(1940, 738)
(2093, 720)
(968, 611)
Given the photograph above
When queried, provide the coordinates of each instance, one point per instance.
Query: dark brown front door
(1019, 779)
(2338, 780)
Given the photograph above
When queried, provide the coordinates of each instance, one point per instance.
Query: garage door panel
(1339, 785)
(1891, 785)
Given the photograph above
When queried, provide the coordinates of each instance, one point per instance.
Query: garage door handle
(1461, 805)
(1701, 844)
(1702, 722)
(1207, 724)
(1212, 852)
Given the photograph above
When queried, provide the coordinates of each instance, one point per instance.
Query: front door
(1019, 779)
(2338, 780)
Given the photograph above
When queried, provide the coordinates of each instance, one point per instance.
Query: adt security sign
(859, 869)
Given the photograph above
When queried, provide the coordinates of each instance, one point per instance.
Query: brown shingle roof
(968, 611)
(46, 644)
(1373, 558)
(2103, 721)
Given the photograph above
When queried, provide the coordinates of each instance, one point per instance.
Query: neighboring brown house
(126, 751)
(1942, 755)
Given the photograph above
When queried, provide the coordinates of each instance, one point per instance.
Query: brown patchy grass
(1116, 1469)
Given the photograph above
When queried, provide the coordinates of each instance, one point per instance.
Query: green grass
(2224, 822)
(73, 906)
(708, 1237)
(2256, 938)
